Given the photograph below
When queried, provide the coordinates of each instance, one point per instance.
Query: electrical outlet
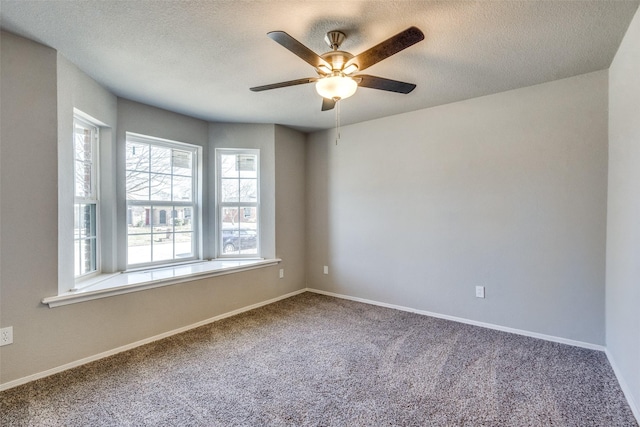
(479, 291)
(282, 273)
(6, 336)
(326, 269)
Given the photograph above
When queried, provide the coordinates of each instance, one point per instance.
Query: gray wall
(77, 90)
(252, 136)
(290, 187)
(47, 338)
(623, 220)
(506, 191)
(28, 201)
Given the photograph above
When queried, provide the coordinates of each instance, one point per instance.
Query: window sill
(117, 284)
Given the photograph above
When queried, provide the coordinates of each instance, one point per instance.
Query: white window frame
(195, 204)
(92, 199)
(219, 205)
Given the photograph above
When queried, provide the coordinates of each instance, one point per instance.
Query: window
(85, 173)
(138, 212)
(238, 203)
(162, 204)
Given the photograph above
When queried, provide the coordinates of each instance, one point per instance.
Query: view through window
(85, 218)
(238, 207)
(161, 183)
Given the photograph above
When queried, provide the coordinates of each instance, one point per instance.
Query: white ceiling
(200, 57)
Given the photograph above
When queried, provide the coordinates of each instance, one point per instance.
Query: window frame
(93, 199)
(219, 204)
(195, 203)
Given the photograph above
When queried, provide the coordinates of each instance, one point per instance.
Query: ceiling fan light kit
(336, 69)
(336, 87)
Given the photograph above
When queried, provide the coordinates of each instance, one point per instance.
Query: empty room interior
(320, 213)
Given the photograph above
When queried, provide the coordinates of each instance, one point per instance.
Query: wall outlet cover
(479, 291)
(6, 336)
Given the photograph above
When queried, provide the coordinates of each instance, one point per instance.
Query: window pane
(248, 230)
(230, 240)
(139, 220)
(184, 245)
(160, 187)
(137, 157)
(137, 186)
(87, 256)
(248, 241)
(82, 143)
(229, 191)
(85, 233)
(239, 239)
(229, 217)
(248, 190)
(247, 165)
(182, 188)
(182, 219)
(83, 179)
(139, 248)
(228, 166)
(239, 234)
(87, 220)
(162, 247)
(248, 217)
(161, 220)
(160, 159)
(182, 163)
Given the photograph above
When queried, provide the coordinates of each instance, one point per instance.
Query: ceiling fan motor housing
(337, 59)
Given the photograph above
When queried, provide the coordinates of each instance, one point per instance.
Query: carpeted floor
(321, 361)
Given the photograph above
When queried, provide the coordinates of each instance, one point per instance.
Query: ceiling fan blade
(328, 104)
(284, 84)
(391, 46)
(293, 45)
(381, 83)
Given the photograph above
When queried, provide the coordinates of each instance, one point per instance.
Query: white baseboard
(624, 386)
(48, 372)
(466, 321)
(24, 380)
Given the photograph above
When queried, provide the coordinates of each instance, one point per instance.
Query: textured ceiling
(200, 57)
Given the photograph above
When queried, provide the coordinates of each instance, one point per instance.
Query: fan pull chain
(337, 121)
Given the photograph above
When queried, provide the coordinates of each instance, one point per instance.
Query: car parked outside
(236, 240)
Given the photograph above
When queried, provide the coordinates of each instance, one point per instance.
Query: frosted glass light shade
(340, 87)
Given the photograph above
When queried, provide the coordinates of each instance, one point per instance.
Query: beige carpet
(320, 361)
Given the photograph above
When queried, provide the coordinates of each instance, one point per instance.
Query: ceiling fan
(337, 70)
